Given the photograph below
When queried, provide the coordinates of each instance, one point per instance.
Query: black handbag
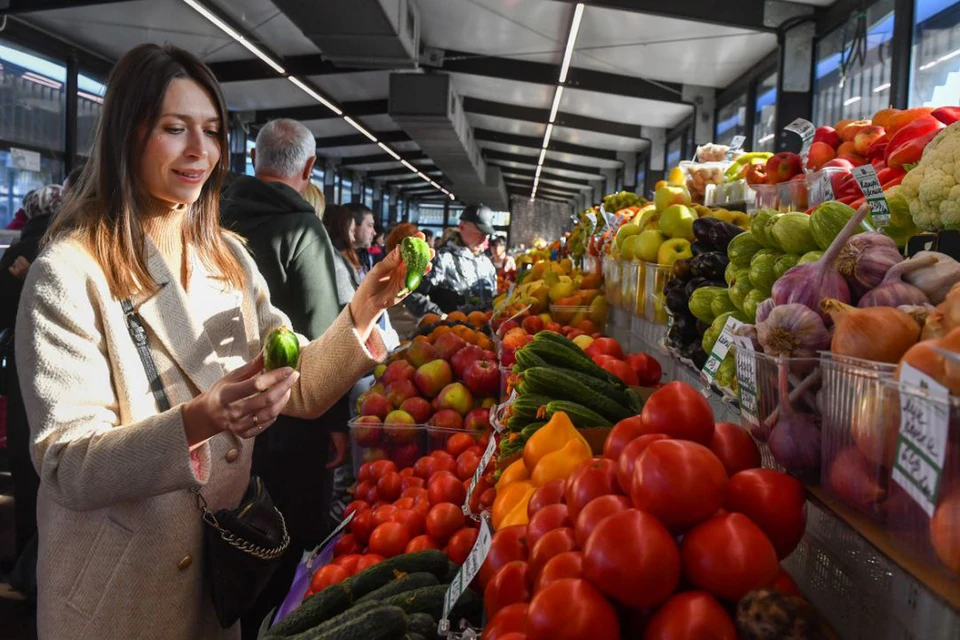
(242, 546)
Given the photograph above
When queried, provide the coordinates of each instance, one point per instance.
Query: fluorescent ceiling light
(924, 67)
(316, 96)
(850, 101)
(539, 169)
(451, 196)
(766, 138)
(952, 54)
(543, 155)
(409, 166)
(882, 87)
(547, 134)
(350, 121)
(230, 31)
(556, 103)
(571, 41)
(392, 153)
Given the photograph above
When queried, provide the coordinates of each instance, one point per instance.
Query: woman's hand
(382, 288)
(245, 402)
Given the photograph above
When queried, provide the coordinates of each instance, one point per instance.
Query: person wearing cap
(463, 277)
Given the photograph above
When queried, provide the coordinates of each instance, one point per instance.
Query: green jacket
(290, 246)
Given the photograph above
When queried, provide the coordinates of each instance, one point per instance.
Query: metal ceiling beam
(567, 120)
(526, 196)
(530, 173)
(383, 173)
(381, 158)
(414, 180)
(319, 112)
(359, 139)
(493, 154)
(29, 6)
(488, 135)
(306, 65)
(523, 182)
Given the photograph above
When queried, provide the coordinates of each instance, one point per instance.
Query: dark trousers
(26, 482)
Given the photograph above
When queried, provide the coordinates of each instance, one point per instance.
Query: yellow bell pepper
(514, 473)
(549, 438)
(561, 463)
(518, 515)
(507, 499)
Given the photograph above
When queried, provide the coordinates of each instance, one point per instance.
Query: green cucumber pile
(400, 598)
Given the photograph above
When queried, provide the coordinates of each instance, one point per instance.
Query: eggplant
(676, 301)
(698, 248)
(720, 235)
(702, 327)
(693, 285)
(686, 325)
(710, 265)
(681, 270)
(699, 357)
(701, 229)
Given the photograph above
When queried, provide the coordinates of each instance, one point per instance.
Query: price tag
(822, 189)
(735, 145)
(609, 218)
(806, 131)
(485, 459)
(747, 378)
(922, 442)
(866, 177)
(719, 351)
(337, 531)
(592, 217)
(466, 574)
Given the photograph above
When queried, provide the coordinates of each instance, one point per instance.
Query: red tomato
(476, 504)
(444, 486)
(476, 449)
(679, 482)
(380, 467)
(487, 498)
(444, 520)
(728, 556)
(633, 559)
(388, 486)
(785, 584)
(424, 467)
(421, 543)
(629, 456)
(404, 503)
(328, 575)
(458, 443)
(508, 544)
(735, 447)
(606, 347)
(595, 478)
(348, 562)
(362, 526)
(347, 544)
(461, 544)
(383, 514)
(368, 560)
(568, 564)
(411, 482)
(415, 522)
(443, 461)
(622, 370)
(366, 491)
(547, 519)
(621, 435)
(601, 359)
(550, 544)
(406, 472)
(467, 463)
(549, 493)
(509, 585)
(356, 505)
(596, 511)
(571, 609)
(678, 410)
(389, 539)
(692, 615)
(364, 472)
(774, 501)
(646, 367)
(514, 635)
(509, 621)
(415, 493)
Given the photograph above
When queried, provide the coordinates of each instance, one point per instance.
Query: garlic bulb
(935, 279)
(793, 330)
(865, 259)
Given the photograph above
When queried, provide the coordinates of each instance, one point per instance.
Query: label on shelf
(822, 189)
(719, 351)
(735, 145)
(747, 379)
(466, 574)
(609, 218)
(866, 177)
(922, 441)
(592, 217)
(485, 459)
(806, 130)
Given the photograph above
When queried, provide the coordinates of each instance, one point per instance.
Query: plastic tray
(611, 281)
(783, 197)
(570, 315)
(701, 174)
(652, 304)
(403, 444)
(820, 184)
(630, 275)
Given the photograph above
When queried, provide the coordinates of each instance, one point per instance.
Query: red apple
(462, 359)
(840, 163)
(399, 370)
(374, 404)
(646, 367)
(866, 137)
(605, 346)
(432, 377)
(373, 454)
(457, 397)
(420, 353)
(400, 390)
(489, 355)
(828, 136)
(783, 166)
(757, 174)
(477, 420)
(405, 455)
(552, 326)
(395, 428)
(506, 326)
(380, 388)
(482, 378)
(820, 154)
(532, 324)
(418, 408)
(367, 431)
(508, 357)
(446, 419)
(448, 344)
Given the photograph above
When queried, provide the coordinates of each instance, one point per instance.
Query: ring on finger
(256, 422)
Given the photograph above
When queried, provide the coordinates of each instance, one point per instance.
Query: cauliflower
(932, 188)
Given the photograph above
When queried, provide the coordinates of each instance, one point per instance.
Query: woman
(121, 536)
(498, 255)
(314, 196)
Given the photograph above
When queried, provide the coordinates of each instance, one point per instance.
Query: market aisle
(18, 618)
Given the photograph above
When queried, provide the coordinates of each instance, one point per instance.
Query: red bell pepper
(919, 127)
(947, 115)
(889, 173)
(892, 182)
(910, 151)
(848, 187)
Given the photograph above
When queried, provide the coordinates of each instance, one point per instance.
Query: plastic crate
(403, 444)
(611, 281)
(652, 304)
(630, 275)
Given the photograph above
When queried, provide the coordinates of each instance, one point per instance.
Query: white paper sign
(747, 379)
(592, 217)
(822, 189)
(922, 442)
(485, 459)
(24, 160)
(466, 574)
(866, 177)
(720, 349)
(806, 130)
(735, 145)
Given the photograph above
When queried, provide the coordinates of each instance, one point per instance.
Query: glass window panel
(248, 167)
(431, 214)
(455, 212)
(731, 121)
(865, 88)
(935, 71)
(90, 94)
(674, 152)
(368, 197)
(32, 102)
(16, 183)
(346, 186)
(765, 114)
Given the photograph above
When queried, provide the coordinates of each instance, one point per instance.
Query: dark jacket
(28, 246)
(291, 248)
(460, 280)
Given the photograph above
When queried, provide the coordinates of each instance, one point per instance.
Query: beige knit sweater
(121, 551)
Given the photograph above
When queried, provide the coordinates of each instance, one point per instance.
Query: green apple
(647, 245)
(650, 219)
(677, 222)
(673, 250)
(629, 247)
(669, 195)
(625, 232)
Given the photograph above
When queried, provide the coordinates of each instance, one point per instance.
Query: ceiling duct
(371, 34)
(430, 111)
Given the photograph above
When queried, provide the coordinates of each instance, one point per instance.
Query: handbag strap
(139, 336)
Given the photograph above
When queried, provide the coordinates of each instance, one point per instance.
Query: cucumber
(526, 358)
(431, 560)
(335, 621)
(526, 406)
(517, 423)
(599, 386)
(564, 350)
(530, 429)
(579, 415)
(316, 609)
(557, 382)
(452, 569)
(381, 623)
(430, 600)
(408, 582)
(422, 623)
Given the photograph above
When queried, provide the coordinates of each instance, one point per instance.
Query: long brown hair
(337, 219)
(102, 210)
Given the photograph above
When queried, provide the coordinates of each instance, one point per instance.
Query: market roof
(503, 58)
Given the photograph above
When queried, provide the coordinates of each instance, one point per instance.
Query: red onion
(808, 284)
(795, 440)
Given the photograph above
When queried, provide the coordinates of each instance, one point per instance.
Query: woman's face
(183, 148)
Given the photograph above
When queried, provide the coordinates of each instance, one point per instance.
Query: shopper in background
(428, 236)
(376, 251)
(121, 536)
(463, 277)
(365, 233)
(314, 195)
(498, 255)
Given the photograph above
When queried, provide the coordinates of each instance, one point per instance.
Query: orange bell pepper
(516, 472)
(549, 438)
(518, 515)
(508, 498)
(560, 464)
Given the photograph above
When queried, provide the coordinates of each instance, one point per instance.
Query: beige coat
(120, 534)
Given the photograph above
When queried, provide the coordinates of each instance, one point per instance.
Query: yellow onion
(880, 334)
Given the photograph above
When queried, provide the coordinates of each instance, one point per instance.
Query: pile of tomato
(657, 539)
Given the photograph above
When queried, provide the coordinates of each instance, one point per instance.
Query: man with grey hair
(293, 252)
